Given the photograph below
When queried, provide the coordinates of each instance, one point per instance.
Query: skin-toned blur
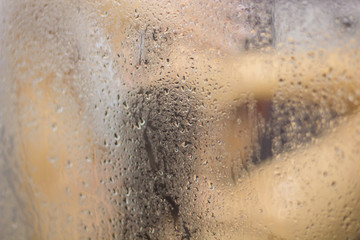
(179, 119)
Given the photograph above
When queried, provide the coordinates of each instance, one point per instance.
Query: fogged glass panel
(179, 119)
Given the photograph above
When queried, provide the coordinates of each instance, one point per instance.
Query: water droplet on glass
(53, 159)
(54, 126)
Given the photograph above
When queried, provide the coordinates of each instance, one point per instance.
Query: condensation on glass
(179, 119)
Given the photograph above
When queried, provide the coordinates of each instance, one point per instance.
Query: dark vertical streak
(174, 210)
(149, 151)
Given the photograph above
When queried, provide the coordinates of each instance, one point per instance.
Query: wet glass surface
(179, 119)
